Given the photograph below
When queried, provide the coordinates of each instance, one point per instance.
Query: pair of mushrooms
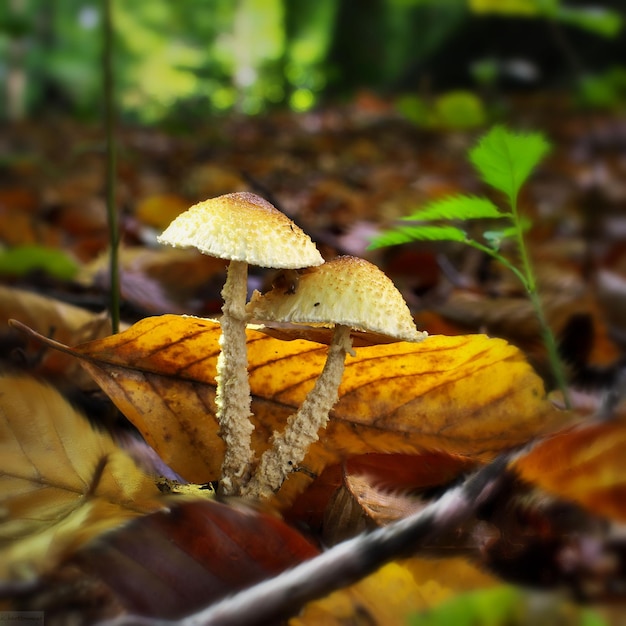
(346, 294)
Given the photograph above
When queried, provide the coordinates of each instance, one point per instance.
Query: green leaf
(459, 207)
(406, 234)
(23, 260)
(505, 159)
(459, 110)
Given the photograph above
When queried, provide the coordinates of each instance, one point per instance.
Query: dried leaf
(162, 280)
(170, 564)
(468, 395)
(66, 323)
(160, 209)
(584, 464)
(399, 473)
(61, 482)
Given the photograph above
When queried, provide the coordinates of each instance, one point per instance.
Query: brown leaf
(467, 395)
(170, 564)
(61, 482)
(387, 472)
(66, 323)
(162, 280)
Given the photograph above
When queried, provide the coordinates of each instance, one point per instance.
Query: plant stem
(530, 284)
(109, 115)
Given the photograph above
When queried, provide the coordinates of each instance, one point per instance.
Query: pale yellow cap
(243, 227)
(346, 290)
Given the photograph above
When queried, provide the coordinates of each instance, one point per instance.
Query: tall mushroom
(348, 294)
(244, 229)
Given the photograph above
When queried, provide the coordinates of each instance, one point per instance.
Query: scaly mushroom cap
(243, 227)
(348, 291)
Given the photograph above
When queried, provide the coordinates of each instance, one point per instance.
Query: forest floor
(342, 174)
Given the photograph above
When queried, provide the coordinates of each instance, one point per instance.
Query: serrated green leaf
(406, 234)
(505, 159)
(459, 207)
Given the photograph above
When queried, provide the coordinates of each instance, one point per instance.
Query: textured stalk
(233, 388)
(302, 429)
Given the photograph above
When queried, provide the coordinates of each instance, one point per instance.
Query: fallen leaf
(61, 482)
(389, 472)
(172, 563)
(584, 464)
(169, 279)
(467, 395)
(18, 228)
(160, 209)
(66, 323)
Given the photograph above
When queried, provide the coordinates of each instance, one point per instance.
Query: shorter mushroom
(347, 294)
(245, 229)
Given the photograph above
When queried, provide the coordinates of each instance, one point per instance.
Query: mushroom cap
(243, 227)
(348, 291)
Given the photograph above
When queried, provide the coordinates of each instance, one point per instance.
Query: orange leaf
(159, 210)
(467, 395)
(584, 464)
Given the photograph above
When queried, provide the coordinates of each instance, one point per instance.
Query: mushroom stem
(233, 388)
(290, 447)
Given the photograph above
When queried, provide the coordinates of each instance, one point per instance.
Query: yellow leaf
(467, 395)
(61, 482)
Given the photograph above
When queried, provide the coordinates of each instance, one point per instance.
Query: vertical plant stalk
(530, 284)
(109, 123)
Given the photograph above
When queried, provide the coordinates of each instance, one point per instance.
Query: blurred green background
(186, 59)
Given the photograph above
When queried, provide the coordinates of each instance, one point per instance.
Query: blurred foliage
(190, 58)
(507, 605)
(453, 110)
(606, 90)
(24, 260)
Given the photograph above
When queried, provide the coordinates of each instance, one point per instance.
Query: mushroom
(244, 229)
(347, 294)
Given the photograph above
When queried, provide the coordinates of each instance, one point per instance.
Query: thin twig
(109, 121)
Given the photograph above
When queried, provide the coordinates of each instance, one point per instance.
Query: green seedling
(504, 161)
